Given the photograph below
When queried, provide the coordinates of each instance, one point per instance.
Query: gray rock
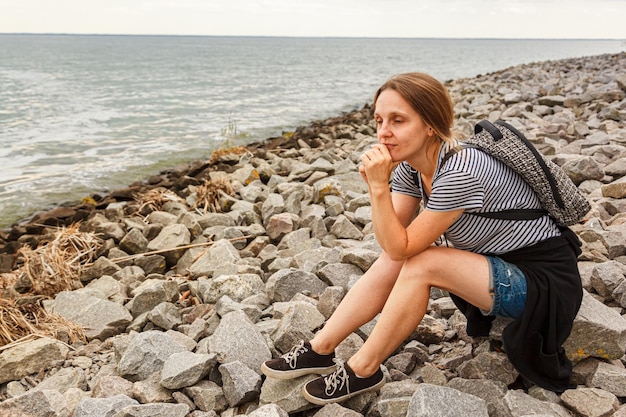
(63, 380)
(40, 403)
(241, 384)
(287, 394)
(165, 315)
(489, 365)
(329, 300)
(237, 339)
(162, 218)
(134, 242)
(598, 331)
(269, 410)
(226, 305)
(146, 354)
(222, 252)
(606, 277)
(90, 407)
(521, 404)
(286, 283)
(151, 293)
(100, 318)
(297, 324)
(154, 410)
(343, 228)
(184, 369)
(395, 397)
(101, 266)
(339, 274)
(609, 378)
(360, 257)
(298, 240)
(236, 287)
(434, 401)
(170, 238)
(207, 396)
(151, 264)
(279, 225)
(616, 189)
(130, 276)
(313, 260)
(30, 357)
(590, 402)
(110, 386)
(582, 169)
(492, 392)
(273, 204)
(112, 289)
(149, 390)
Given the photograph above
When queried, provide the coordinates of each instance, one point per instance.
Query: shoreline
(99, 162)
(227, 262)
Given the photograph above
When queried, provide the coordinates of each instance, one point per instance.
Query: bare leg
(360, 305)
(463, 273)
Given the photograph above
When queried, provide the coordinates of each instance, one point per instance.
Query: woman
(495, 267)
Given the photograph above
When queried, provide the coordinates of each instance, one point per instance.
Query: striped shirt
(477, 182)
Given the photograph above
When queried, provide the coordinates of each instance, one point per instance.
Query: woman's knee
(425, 264)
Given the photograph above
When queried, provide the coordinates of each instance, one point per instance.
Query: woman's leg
(463, 273)
(360, 305)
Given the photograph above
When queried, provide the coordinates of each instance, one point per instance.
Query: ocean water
(88, 114)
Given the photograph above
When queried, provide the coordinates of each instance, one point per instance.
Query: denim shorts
(507, 287)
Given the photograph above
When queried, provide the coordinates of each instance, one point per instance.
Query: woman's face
(400, 128)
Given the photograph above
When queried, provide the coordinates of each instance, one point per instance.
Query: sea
(87, 114)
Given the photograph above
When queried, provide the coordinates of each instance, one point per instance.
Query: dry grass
(219, 153)
(156, 198)
(51, 268)
(57, 265)
(208, 194)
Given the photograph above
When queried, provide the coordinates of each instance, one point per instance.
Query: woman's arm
(389, 217)
(396, 231)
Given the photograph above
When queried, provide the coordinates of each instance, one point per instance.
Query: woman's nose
(382, 130)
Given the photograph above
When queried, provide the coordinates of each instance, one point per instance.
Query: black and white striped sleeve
(403, 181)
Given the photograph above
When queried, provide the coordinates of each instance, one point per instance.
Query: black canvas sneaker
(299, 361)
(341, 385)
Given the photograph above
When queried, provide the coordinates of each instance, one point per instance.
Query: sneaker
(299, 361)
(341, 385)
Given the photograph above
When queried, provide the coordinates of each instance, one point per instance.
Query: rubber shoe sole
(296, 373)
(321, 401)
(329, 399)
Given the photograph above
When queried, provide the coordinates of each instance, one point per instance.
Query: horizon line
(301, 37)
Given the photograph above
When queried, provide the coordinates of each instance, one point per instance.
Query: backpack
(559, 196)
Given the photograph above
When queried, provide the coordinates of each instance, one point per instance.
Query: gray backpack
(559, 196)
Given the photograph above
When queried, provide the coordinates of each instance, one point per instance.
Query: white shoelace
(338, 379)
(291, 357)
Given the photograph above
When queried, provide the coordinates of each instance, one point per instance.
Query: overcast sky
(592, 19)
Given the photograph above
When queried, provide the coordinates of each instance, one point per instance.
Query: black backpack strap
(512, 214)
(489, 127)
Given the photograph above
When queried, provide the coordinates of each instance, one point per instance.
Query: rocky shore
(203, 272)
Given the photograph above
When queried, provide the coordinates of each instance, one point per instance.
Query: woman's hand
(376, 166)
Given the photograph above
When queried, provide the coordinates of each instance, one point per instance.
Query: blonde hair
(428, 97)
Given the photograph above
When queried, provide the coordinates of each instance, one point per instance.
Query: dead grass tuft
(53, 267)
(208, 194)
(156, 198)
(220, 153)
